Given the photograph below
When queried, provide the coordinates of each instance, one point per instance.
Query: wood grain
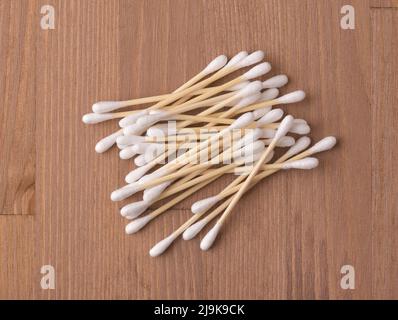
(289, 237)
(17, 116)
(384, 154)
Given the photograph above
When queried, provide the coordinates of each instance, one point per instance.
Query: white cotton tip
(215, 65)
(243, 121)
(155, 131)
(122, 146)
(268, 133)
(251, 88)
(270, 117)
(140, 161)
(107, 106)
(238, 86)
(124, 192)
(162, 171)
(135, 209)
(269, 94)
(149, 156)
(161, 246)
(127, 153)
(210, 237)
(257, 114)
(292, 97)
(137, 224)
(251, 158)
(194, 229)
(300, 128)
(303, 164)
(252, 148)
(250, 137)
(300, 145)
(140, 147)
(153, 193)
(132, 118)
(92, 118)
(299, 121)
(203, 205)
(285, 142)
(247, 101)
(237, 58)
(127, 140)
(252, 58)
(138, 173)
(249, 152)
(257, 71)
(275, 82)
(323, 145)
(148, 120)
(284, 127)
(134, 129)
(107, 142)
(155, 149)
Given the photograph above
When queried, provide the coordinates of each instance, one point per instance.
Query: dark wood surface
(287, 238)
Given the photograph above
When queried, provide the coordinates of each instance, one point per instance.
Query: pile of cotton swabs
(189, 138)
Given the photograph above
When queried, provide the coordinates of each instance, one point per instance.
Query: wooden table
(287, 239)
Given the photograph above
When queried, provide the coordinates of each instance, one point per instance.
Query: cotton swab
(139, 223)
(107, 106)
(250, 89)
(292, 97)
(253, 58)
(323, 145)
(133, 176)
(248, 144)
(153, 193)
(151, 119)
(107, 142)
(208, 240)
(146, 121)
(129, 190)
(202, 206)
(133, 209)
(205, 143)
(104, 144)
(236, 64)
(206, 174)
(239, 123)
(136, 209)
(140, 160)
(161, 246)
(275, 82)
(254, 72)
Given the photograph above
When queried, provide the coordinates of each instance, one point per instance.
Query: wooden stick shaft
(216, 173)
(175, 188)
(197, 118)
(231, 189)
(227, 154)
(178, 199)
(207, 111)
(190, 105)
(247, 182)
(221, 73)
(265, 173)
(196, 217)
(159, 98)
